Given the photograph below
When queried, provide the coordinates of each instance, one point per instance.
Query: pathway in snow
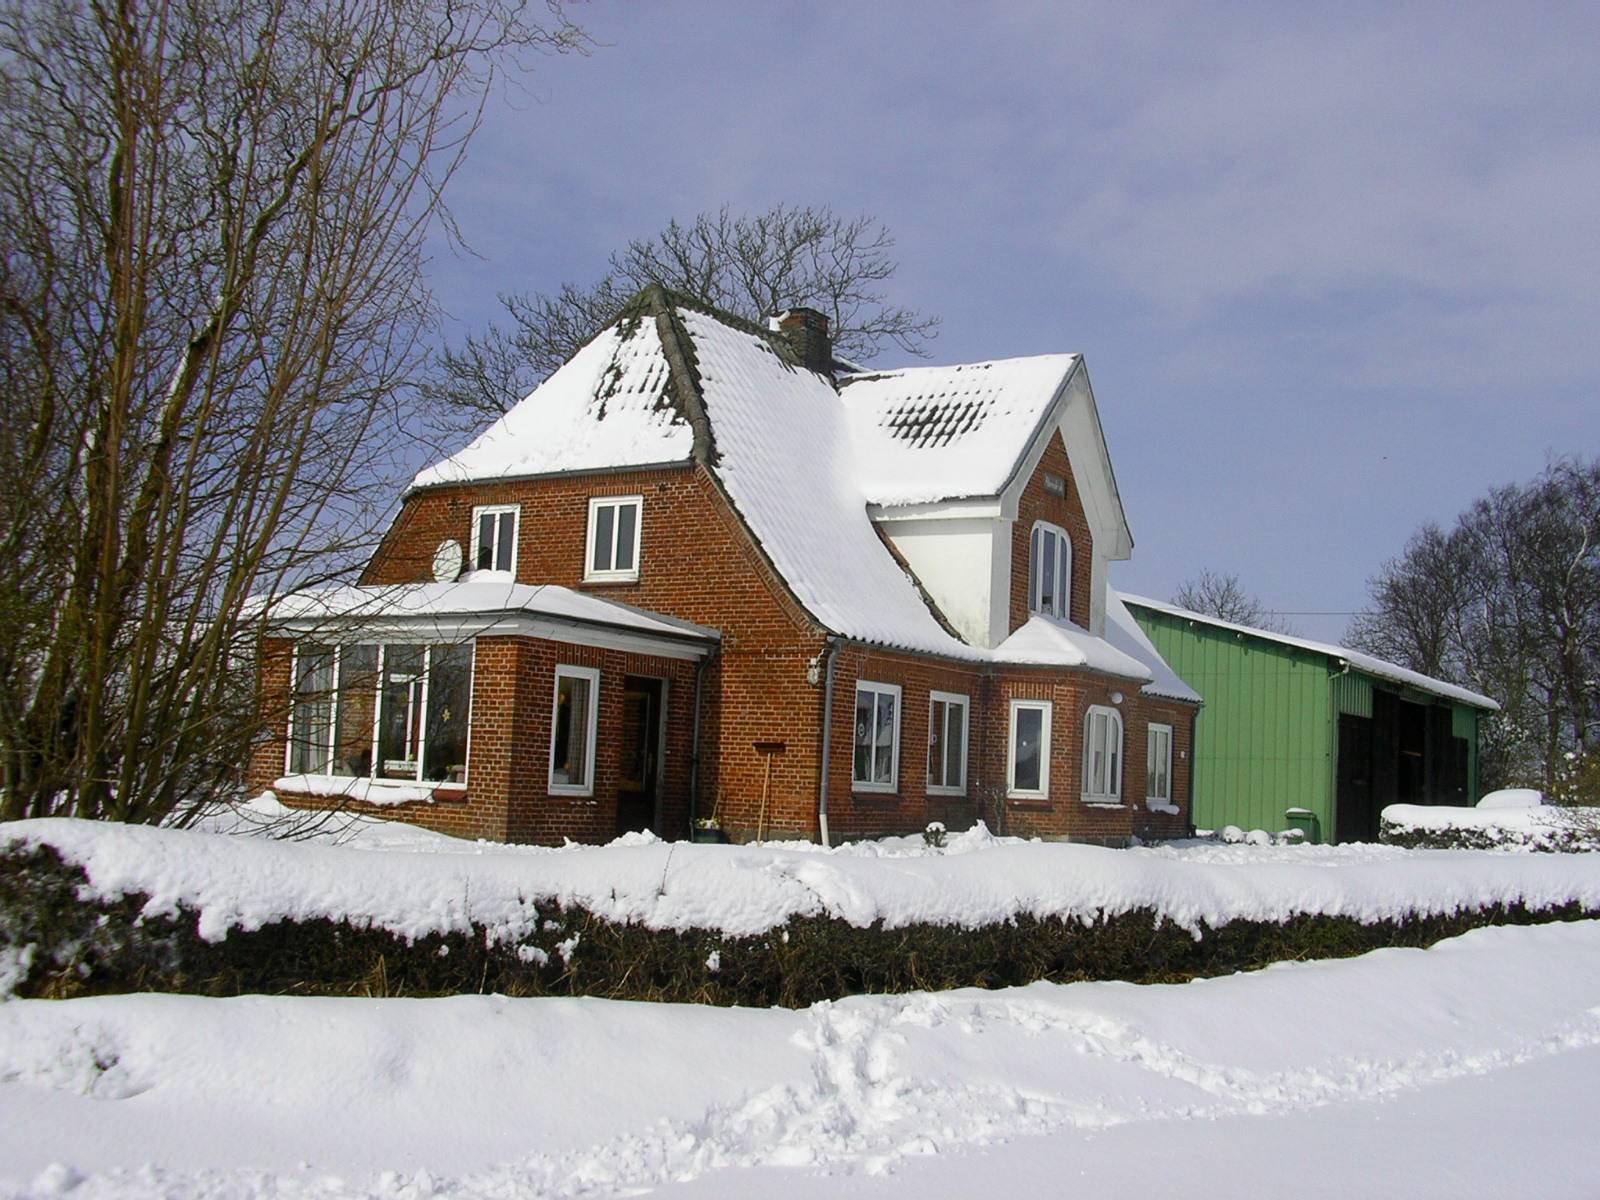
(923, 1094)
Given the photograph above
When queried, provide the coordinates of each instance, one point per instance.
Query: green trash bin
(1306, 822)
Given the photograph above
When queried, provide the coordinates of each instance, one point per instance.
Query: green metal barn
(1297, 732)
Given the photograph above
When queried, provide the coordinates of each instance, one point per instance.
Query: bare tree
(210, 311)
(1507, 602)
(1222, 596)
(750, 265)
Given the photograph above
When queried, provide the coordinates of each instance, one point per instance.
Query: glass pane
(883, 748)
(1025, 748)
(399, 715)
(503, 548)
(449, 697)
(604, 515)
(1113, 758)
(1064, 580)
(485, 559)
(936, 744)
(358, 696)
(1095, 767)
(1033, 571)
(863, 741)
(313, 710)
(954, 771)
(572, 732)
(1047, 576)
(627, 518)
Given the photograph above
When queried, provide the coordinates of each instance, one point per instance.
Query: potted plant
(709, 829)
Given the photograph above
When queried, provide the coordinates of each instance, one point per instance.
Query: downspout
(694, 743)
(830, 659)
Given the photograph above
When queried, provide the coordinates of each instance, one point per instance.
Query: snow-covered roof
(481, 598)
(672, 381)
(1367, 664)
(1123, 632)
(607, 406)
(925, 434)
(1051, 641)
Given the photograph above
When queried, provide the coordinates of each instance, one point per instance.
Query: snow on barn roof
(934, 433)
(1365, 663)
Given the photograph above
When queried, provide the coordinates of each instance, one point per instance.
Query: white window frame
(496, 510)
(1157, 730)
(1042, 792)
(596, 503)
(374, 778)
(592, 674)
(1112, 798)
(1063, 569)
(950, 700)
(880, 689)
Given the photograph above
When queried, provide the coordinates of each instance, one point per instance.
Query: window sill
(859, 792)
(1161, 806)
(624, 577)
(948, 792)
(1099, 802)
(1030, 803)
(573, 791)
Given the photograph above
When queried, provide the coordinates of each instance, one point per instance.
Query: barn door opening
(1355, 817)
(643, 728)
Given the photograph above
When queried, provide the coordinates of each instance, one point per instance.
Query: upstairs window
(1050, 571)
(947, 743)
(1102, 756)
(494, 537)
(877, 742)
(614, 528)
(1158, 764)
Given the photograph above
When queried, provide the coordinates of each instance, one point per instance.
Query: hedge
(88, 947)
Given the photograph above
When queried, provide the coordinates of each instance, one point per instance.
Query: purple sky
(1335, 272)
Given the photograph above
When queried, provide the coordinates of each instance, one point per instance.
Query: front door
(1355, 815)
(639, 787)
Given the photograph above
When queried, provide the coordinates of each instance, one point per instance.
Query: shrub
(83, 947)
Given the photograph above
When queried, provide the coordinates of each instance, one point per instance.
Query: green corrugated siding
(1352, 694)
(1264, 740)
(1464, 724)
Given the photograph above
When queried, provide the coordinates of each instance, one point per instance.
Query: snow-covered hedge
(88, 906)
(1528, 828)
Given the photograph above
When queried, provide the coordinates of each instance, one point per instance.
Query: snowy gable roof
(1365, 663)
(925, 434)
(785, 458)
(610, 405)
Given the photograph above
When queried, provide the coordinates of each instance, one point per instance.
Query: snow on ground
(240, 882)
(1467, 1069)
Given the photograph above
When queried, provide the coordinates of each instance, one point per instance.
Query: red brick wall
(697, 562)
(1038, 504)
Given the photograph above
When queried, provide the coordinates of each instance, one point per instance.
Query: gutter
(829, 654)
(694, 740)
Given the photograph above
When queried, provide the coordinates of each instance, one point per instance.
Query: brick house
(707, 571)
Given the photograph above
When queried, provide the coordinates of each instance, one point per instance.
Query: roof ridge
(655, 298)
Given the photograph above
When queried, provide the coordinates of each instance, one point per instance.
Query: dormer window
(494, 537)
(613, 545)
(1050, 571)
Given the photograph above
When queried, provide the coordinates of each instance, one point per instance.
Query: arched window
(1050, 571)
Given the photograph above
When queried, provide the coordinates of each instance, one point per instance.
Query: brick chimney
(807, 331)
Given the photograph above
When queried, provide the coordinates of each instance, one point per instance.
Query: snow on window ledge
(379, 792)
(1161, 806)
(1102, 802)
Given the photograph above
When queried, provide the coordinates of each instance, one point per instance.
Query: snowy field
(1470, 1069)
